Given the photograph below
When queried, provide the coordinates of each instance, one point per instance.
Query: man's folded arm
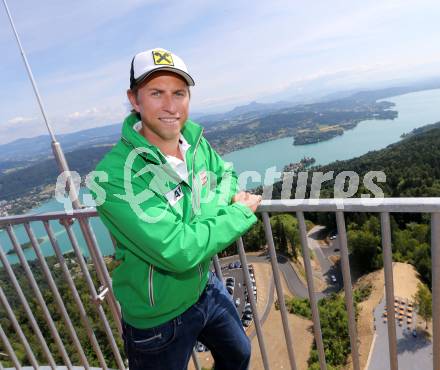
(170, 243)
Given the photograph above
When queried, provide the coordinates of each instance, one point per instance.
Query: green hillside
(412, 168)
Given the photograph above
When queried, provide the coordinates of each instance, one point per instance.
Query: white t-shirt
(176, 163)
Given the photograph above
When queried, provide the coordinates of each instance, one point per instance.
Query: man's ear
(132, 97)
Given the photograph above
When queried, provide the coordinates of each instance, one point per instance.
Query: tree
(365, 249)
(254, 239)
(285, 233)
(423, 300)
(279, 236)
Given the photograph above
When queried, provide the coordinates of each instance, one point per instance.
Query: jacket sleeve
(170, 243)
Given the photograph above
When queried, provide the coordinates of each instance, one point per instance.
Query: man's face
(163, 103)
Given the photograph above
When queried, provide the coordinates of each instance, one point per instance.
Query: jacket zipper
(192, 173)
(126, 142)
(198, 201)
(150, 291)
(150, 285)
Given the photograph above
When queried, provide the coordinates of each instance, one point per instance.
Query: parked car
(237, 264)
(246, 323)
(247, 316)
(200, 347)
(231, 265)
(237, 302)
(230, 281)
(230, 289)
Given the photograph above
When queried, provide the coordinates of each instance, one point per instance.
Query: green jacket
(166, 230)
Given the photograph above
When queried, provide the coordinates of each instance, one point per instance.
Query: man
(171, 204)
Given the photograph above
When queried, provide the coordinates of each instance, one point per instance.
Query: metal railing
(102, 295)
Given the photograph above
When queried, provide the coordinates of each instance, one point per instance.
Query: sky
(237, 52)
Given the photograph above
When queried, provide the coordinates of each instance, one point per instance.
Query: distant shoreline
(39, 195)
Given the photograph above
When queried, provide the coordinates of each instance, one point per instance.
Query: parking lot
(414, 351)
(239, 290)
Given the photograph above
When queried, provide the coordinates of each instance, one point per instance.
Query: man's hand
(250, 200)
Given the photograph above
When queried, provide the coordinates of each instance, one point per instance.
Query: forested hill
(412, 169)
(412, 166)
(45, 172)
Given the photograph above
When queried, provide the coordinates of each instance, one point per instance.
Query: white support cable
(29, 71)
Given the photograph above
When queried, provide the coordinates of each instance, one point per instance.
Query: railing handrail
(339, 206)
(404, 205)
(47, 216)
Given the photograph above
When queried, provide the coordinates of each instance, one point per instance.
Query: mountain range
(19, 152)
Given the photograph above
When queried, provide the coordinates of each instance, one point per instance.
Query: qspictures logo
(162, 189)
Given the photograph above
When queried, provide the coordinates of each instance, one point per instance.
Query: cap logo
(162, 58)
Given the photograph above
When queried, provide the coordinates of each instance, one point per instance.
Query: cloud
(97, 115)
(20, 126)
(89, 113)
(237, 52)
(57, 22)
(20, 120)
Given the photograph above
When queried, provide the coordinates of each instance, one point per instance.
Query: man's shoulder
(113, 157)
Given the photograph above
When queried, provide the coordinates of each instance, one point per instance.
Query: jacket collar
(191, 131)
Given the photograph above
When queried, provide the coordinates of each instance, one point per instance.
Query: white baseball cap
(147, 62)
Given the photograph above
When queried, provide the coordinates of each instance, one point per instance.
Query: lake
(415, 110)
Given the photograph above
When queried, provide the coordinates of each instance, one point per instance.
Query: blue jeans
(212, 320)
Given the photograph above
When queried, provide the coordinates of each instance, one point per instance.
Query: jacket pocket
(154, 339)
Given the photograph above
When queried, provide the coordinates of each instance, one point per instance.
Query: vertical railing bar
(311, 289)
(101, 269)
(46, 313)
(195, 360)
(389, 287)
(435, 256)
(257, 322)
(9, 349)
(27, 308)
(56, 294)
(1, 366)
(93, 293)
(279, 288)
(217, 267)
(118, 307)
(70, 282)
(348, 288)
(112, 239)
(17, 328)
